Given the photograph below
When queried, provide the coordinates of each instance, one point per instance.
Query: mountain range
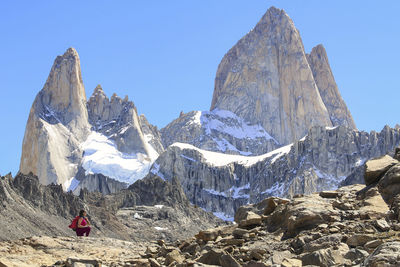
(277, 126)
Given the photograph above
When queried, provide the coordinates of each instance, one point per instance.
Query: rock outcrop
(321, 161)
(220, 131)
(57, 124)
(327, 87)
(266, 79)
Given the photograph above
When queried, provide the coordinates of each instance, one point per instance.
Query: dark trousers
(84, 230)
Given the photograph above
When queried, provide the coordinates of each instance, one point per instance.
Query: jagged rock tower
(338, 111)
(57, 123)
(266, 78)
(61, 122)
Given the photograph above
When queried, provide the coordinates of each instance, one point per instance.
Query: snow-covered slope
(220, 131)
(102, 156)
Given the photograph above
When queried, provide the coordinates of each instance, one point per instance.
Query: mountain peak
(275, 16)
(265, 79)
(98, 91)
(327, 87)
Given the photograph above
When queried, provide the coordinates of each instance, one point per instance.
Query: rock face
(57, 123)
(338, 111)
(118, 119)
(220, 131)
(266, 78)
(321, 161)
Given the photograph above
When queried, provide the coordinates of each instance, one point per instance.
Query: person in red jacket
(83, 225)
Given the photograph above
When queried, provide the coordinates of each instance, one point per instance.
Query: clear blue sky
(164, 54)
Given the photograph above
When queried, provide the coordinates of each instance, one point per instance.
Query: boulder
(389, 185)
(376, 168)
(174, 256)
(250, 219)
(211, 257)
(382, 225)
(208, 235)
(228, 261)
(359, 239)
(387, 254)
(307, 212)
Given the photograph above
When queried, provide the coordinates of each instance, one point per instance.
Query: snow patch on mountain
(221, 159)
(102, 156)
(227, 122)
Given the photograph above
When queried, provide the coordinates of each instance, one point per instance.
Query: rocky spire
(265, 78)
(338, 111)
(118, 119)
(57, 123)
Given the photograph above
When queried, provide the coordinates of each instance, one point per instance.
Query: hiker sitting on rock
(83, 225)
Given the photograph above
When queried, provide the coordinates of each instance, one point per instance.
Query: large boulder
(376, 168)
(389, 185)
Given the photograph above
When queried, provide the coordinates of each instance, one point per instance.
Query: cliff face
(338, 111)
(321, 161)
(57, 123)
(265, 78)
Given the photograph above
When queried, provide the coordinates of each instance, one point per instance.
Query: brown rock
(359, 240)
(279, 256)
(154, 263)
(211, 257)
(233, 241)
(270, 204)
(255, 264)
(373, 244)
(208, 235)
(329, 194)
(174, 256)
(239, 233)
(228, 261)
(251, 219)
(376, 168)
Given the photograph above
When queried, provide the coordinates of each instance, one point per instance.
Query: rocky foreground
(356, 225)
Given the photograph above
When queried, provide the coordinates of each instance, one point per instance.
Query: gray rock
(389, 185)
(382, 225)
(356, 255)
(387, 254)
